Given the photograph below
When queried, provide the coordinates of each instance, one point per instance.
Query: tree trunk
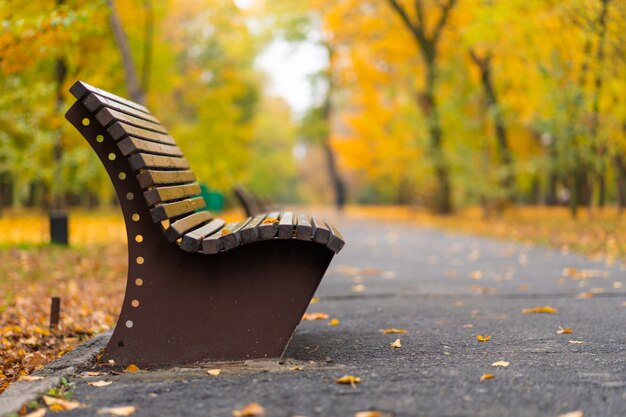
(338, 184)
(620, 178)
(491, 98)
(132, 82)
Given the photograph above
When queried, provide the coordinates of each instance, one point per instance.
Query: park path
(444, 289)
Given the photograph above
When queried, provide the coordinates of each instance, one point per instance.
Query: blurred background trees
(440, 103)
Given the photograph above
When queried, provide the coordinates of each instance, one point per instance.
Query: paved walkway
(445, 290)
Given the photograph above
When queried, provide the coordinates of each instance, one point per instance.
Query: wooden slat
(150, 178)
(182, 226)
(170, 210)
(193, 240)
(119, 129)
(95, 102)
(214, 243)
(165, 194)
(145, 160)
(80, 89)
(335, 242)
(233, 239)
(286, 224)
(250, 233)
(267, 228)
(132, 145)
(304, 229)
(321, 232)
(107, 116)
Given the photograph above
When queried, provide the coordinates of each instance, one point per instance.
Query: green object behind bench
(214, 200)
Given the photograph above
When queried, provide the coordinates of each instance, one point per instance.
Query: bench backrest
(169, 186)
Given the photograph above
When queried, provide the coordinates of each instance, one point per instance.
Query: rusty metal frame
(180, 307)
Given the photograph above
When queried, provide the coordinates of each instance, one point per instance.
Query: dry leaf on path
(349, 380)
(566, 330)
(391, 331)
(576, 342)
(482, 338)
(502, 364)
(396, 345)
(250, 410)
(485, 377)
(126, 410)
(214, 372)
(29, 378)
(315, 316)
(132, 368)
(333, 322)
(57, 404)
(37, 413)
(544, 309)
(372, 414)
(99, 384)
(578, 413)
(296, 368)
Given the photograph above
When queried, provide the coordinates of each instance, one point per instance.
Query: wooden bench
(198, 289)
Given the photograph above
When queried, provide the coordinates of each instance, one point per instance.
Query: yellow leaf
(37, 413)
(269, 220)
(544, 309)
(132, 368)
(485, 377)
(372, 414)
(358, 288)
(225, 231)
(315, 300)
(57, 404)
(482, 338)
(126, 410)
(29, 378)
(99, 384)
(295, 368)
(214, 372)
(333, 322)
(476, 275)
(250, 410)
(391, 331)
(578, 413)
(349, 380)
(566, 330)
(315, 316)
(396, 345)
(502, 364)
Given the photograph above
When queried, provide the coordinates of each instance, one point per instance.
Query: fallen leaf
(578, 413)
(502, 364)
(333, 322)
(485, 377)
(566, 330)
(468, 326)
(544, 309)
(91, 373)
(358, 288)
(250, 410)
(99, 384)
(315, 316)
(132, 368)
(225, 231)
(476, 275)
(576, 342)
(314, 300)
(37, 413)
(391, 331)
(57, 404)
(584, 295)
(214, 372)
(372, 414)
(396, 345)
(269, 220)
(126, 410)
(482, 338)
(295, 368)
(29, 378)
(349, 380)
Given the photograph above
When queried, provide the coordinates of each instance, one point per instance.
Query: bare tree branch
(443, 19)
(415, 30)
(419, 12)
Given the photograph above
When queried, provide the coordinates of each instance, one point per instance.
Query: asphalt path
(444, 289)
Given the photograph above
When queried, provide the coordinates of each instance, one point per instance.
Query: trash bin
(214, 200)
